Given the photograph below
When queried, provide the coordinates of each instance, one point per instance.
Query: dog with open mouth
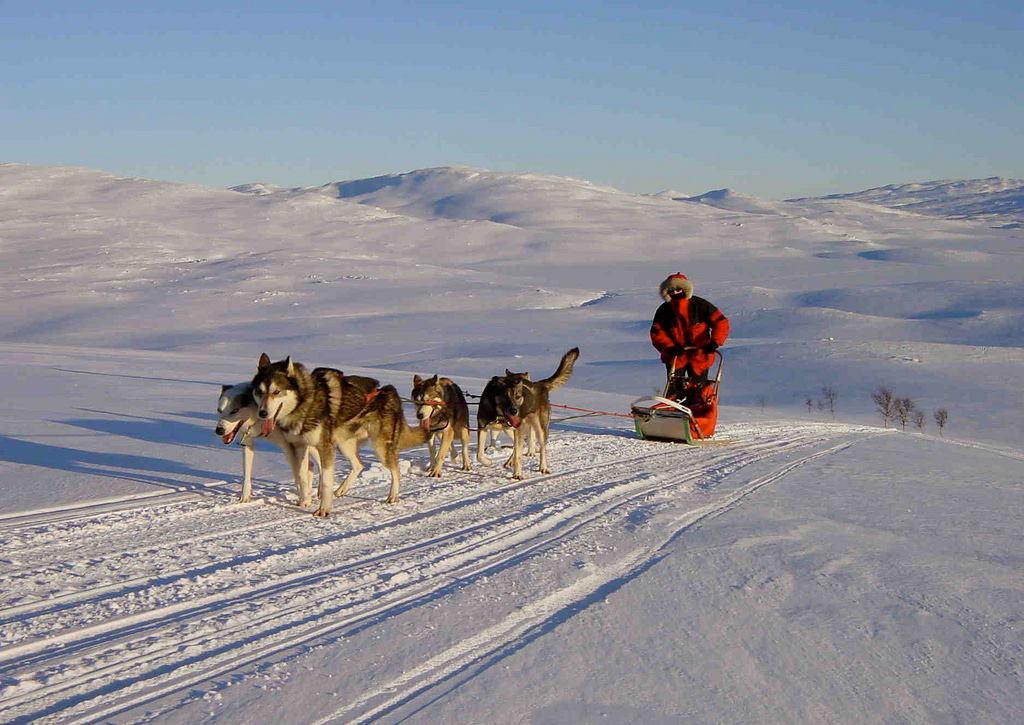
(239, 415)
(514, 401)
(324, 408)
(442, 410)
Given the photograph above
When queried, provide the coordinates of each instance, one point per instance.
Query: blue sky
(774, 99)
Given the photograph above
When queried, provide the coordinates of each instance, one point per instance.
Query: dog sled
(685, 412)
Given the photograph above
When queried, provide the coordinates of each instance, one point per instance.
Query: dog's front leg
(517, 455)
(433, 451)
(326, 451)
(447, 436)
(464, 437)
(482, 436)
(248, 454)
(298, 459)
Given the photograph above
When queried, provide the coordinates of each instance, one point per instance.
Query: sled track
(88, 509)
(268, 603)
(514, 631)
(216, 521)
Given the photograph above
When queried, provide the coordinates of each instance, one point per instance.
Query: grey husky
(515, 401)
(324, 408)
(442, 410)
(238, 414)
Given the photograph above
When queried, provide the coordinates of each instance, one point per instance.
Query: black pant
(687, 373)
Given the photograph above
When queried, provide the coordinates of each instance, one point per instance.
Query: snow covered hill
(832, 292)
(995, 199)
(734, 201)
(805, 569)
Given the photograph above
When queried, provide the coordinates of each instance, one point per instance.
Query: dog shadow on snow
(178, 475)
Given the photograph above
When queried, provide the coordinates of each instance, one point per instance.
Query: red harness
(369, 396)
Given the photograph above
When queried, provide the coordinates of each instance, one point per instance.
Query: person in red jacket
(687, 330)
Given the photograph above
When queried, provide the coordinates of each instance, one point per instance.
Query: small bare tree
(828, 399)
(941, 416)
(884, 402)
(919, 420)
(810, 405)
(902, 409)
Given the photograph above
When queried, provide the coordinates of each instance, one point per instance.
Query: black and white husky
(239, 414)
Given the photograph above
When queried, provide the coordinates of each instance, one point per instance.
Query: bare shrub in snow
(903, 408)
(828, 399)
(941, 416)
(884, 404)
(918, 418)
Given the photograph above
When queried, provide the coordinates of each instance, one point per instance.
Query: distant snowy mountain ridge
(994, 198)
(734, 201)
(462, 192)
(257, 188)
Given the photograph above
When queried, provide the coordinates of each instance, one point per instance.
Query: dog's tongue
(425, 424)
(228, 437)
(267, 426)
(514, 420)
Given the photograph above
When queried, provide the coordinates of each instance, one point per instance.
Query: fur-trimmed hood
(675, 283)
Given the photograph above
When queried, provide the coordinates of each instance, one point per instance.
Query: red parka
(689, 322)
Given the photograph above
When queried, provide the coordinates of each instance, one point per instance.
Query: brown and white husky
(442, 411)
(326, 408)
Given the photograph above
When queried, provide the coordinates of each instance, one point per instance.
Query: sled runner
(686, 412)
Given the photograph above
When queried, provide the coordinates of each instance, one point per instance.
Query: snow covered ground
(806, 569)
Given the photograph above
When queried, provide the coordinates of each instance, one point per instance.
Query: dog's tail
(561, 376)
(408, 437)
(411, 437)
(387, 405)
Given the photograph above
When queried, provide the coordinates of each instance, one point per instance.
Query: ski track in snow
(105, 612)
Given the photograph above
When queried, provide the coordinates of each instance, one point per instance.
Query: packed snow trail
(106, 613)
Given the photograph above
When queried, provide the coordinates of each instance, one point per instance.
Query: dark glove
(711, 347)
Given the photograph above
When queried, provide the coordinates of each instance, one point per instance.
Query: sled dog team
(310, 413)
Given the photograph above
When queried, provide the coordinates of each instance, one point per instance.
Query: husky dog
(515, 400)
(490, 423)
(442, 409)
(324, 408)
(239, 414)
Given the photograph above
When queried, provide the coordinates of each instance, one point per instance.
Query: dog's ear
(526, 376)
(289, 365)
(224, 389)
(264, 361)
(432, 381)
(508, 373)
(416, 380)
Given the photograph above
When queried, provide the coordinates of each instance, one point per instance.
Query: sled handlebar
(717, 353)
